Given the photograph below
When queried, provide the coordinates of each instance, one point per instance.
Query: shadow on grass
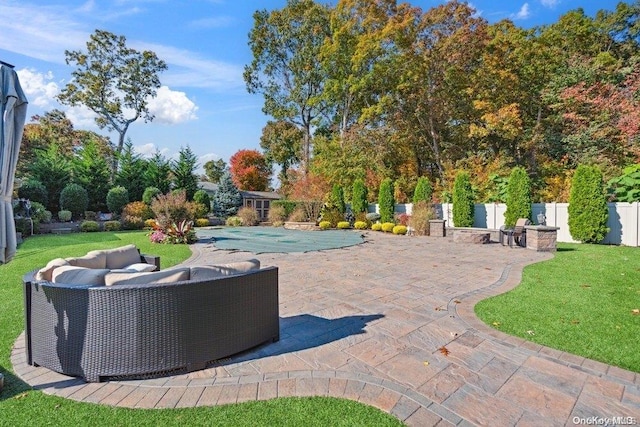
(13, 386)
(565, 249)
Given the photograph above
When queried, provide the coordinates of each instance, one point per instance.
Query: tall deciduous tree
(184, 176)
(249, 170)
(286, 66)
(214, 169)
(281, 142)
(114, 81)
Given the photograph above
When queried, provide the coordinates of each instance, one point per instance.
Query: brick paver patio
(366, 323)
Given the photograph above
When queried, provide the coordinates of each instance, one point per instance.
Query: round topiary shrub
(74, 198)
(89, 226)
(149, 194)
(588, 211)
(518, 197)
(112, 226)
(64, 216)
(360, 225)
(34, 190)
(324, 225)
(202, 222)
(343, 225)
(387, 227)
(386, 202)
(117, 199)
(399, 229)
(463, 201)
(423, 190)
(233, 221)
(376, 227)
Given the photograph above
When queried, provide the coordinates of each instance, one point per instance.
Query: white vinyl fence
(623, 222)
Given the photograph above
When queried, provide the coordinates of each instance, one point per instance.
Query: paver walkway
(366, 323)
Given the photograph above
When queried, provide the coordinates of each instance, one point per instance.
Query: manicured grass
(582, 301)
(21, 406)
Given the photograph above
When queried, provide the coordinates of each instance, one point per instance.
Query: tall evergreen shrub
(359, 196)
(227, 199)
(463, 201)
(588, 211)
(336, 199)
(518, 197)
(423, 190)
(117, 199)
(386, 202)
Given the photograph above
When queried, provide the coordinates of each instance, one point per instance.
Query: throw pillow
(122, 256)
(93, 259)
(45, 272)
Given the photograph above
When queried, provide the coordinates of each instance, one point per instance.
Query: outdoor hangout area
(431, 219)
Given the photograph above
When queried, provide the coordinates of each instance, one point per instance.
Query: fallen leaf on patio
(453, 334)
(531, 332)
(457, 301)
(635, 311)
(426, 363)
(444, 350)
(439, 309)
(496, 323)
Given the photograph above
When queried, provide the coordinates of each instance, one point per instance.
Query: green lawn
(582, 301)
(21, 406)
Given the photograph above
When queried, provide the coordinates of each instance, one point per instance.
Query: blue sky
(203, 101)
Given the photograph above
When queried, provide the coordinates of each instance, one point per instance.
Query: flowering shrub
(180, 233)
(343, 225)
(360, 225)
(399, 229)
(157, 236)
(137, 209)
(202, 222)
(149, 223)
(325, 225)
(376, 227)
(387, 227)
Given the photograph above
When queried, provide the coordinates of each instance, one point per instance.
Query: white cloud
(82, 117)
(149, 149)
(39, 88)
(207, 157)
(523, 13)
(171, 107)
(550, 3)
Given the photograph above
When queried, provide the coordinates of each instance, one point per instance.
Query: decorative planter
(436, 228)
(542, 238)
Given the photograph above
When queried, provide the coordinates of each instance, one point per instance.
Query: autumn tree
(286, 68)
(114, 81)
(249, 170)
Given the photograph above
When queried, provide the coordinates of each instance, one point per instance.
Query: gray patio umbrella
(13, 112)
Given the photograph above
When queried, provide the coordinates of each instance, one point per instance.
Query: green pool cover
(266, 239)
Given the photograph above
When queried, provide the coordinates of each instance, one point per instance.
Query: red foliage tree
(249, 170)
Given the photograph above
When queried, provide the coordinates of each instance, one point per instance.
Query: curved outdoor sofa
(146, 330)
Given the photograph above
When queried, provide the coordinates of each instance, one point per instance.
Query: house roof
(260, 195)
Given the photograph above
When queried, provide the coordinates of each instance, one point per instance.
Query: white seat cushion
(71, 275)
(164, 276)
(205, 272)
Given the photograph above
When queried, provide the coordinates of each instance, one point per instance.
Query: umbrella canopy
(13, 112)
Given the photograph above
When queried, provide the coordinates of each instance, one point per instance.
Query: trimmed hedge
(360, 193)
(463, 201)
(423, 190)
(386, 202)
(518, 197)
(588, 211)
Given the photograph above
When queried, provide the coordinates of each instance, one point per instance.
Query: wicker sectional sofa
(141, 327)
